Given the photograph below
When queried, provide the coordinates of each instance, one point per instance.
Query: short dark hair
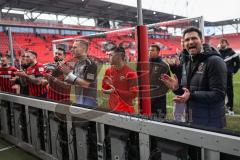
(192, 29)
(120, 51)
(61, 49)
(7, 56)
(83, 41)
(224, 40)
(33, 53)
(155, 46)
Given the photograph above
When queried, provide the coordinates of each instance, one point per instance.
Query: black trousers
(230, 94)
(158, 106)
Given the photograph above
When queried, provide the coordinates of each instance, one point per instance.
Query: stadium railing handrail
(207, 140)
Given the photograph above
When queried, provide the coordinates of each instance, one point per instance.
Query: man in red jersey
(6, 73)
(57, 90)
(21, 82)
(120, 81)
(34, 75)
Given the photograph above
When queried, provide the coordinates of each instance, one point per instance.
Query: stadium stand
(232, 38)
(31, 124)
(43, 44)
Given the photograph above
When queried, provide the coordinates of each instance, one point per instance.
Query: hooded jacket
(158, 67)
(205, 77)
(232, 64)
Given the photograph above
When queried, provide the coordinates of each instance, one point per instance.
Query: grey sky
(212, 10)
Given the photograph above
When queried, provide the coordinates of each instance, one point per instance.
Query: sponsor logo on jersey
(201, 68)
(90, 76)
(122, 78)
(41, 69)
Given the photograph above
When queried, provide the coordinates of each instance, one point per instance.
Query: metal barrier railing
(87, 130)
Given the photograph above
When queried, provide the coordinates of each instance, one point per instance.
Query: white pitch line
(235, 115)
(169, 106)
(6, 148)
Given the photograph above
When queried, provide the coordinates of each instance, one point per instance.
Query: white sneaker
(231, 113)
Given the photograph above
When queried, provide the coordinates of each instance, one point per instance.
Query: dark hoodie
(206, 78)
(233, 64)
(158, 67)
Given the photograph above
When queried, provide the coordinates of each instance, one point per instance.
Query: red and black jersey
(58, 92)
(5, 75)
(37, 71)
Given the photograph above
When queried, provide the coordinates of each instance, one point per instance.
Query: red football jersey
(5, 75)
(124, 81)
(37, 71)
(56, 91)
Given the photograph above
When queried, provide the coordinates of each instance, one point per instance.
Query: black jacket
(158, 67)
(206, 78)
(178, 69)
(232, 64)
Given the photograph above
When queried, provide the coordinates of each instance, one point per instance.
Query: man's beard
(4, 65)
(25, 66)
(30, 63)
(224, 47)
(57, 60)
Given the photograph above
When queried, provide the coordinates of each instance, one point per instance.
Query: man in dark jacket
(206, 78)
(232, 61)
(158, 88)
(177, 69)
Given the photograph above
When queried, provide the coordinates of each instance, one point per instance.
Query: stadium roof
(87, 8)
(95, 9)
